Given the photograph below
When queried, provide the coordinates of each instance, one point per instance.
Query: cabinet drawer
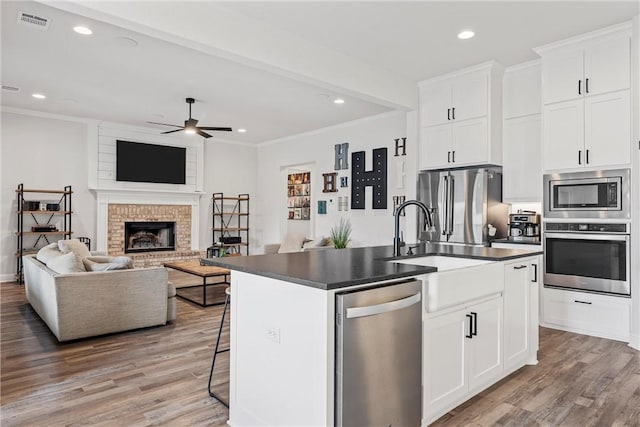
(591, 314)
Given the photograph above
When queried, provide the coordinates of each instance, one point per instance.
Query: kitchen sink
(443, 263)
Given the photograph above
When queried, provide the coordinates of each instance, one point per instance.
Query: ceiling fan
(191, 125)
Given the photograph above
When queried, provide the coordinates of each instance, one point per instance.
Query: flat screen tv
(138, 162)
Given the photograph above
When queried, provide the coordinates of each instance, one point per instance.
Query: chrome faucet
(396, 236)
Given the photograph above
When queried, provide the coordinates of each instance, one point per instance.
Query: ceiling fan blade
(215, 128)
(164, 124)
(171, 131)
(203, 134)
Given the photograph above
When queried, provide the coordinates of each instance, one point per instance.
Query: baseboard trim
(634, 341)
(7, 278)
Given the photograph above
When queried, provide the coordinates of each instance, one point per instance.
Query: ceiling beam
(211, 28)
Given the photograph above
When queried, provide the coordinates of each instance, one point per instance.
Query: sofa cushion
(48, 252)
(75, 246)
(66, 263)
(292, 243)
(107, 263)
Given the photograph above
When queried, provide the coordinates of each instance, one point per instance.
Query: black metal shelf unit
(231, 223)
(40, 214)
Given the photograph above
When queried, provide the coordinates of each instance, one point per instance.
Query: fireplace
(149, 236)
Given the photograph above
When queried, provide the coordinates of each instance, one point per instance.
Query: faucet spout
(396, 235)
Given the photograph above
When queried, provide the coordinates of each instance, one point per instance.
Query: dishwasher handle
(372, 310)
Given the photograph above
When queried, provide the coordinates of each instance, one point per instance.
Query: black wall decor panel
(376, 178)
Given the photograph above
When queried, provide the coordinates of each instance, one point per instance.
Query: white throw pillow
(292, 243)
(75, 246)
(48, 252)
(107, 263)
(66, 263)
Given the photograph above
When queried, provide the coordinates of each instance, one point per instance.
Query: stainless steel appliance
(595, 194)
(587, 256)
(524, 227)
(379, 356)
(463, 203)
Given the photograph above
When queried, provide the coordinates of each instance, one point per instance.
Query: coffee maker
(524, 227)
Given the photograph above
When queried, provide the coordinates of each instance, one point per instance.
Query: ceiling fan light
(190, 131)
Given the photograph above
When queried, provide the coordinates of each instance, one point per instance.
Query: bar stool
(217, 351)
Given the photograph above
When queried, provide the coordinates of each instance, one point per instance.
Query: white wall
(229, 168)
(42, 153)
(370, 226)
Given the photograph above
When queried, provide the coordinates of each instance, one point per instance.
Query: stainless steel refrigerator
(463, 203)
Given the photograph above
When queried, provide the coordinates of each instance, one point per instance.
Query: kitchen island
(283, 334)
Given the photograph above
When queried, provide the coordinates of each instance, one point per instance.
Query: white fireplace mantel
(105, 197)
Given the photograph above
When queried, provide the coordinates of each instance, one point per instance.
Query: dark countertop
(330, 269)
(517, 242)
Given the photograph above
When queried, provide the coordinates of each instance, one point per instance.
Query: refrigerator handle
(450, 193)
(444, 208)
(372, 310)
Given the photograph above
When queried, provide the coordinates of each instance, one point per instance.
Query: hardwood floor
(158, 376)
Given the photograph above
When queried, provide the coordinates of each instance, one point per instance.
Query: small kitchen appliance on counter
(524, 227)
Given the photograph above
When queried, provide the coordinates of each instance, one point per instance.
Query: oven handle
(587, 236)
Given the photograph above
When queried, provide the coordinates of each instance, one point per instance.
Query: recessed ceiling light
(338, 101)
(38, 96)
(466, 34)
(242, 130)
(85, 31)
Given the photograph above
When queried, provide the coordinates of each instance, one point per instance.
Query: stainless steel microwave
(595, 194)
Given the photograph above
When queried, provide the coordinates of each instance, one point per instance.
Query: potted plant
(341, 234)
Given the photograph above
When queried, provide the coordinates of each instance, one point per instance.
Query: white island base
(283, 341)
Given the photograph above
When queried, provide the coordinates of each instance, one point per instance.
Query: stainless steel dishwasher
(378, 356)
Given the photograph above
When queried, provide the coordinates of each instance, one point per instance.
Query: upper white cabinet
(587, 110)
(460, 118)
(522, 134)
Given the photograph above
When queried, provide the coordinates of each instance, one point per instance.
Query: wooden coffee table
(204, 271)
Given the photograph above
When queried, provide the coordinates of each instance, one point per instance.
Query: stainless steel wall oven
(591, 257)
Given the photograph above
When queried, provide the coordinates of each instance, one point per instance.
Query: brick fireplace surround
(115, 208)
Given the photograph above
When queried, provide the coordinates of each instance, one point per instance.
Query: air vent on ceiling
(34, 21)
(10, 88)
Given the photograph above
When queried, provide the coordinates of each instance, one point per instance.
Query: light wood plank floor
(158, 376)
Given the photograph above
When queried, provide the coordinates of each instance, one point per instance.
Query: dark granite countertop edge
(419, 270)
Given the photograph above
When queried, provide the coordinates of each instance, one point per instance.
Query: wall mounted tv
(138, 162)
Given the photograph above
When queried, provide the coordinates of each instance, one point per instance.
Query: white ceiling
(270, 67)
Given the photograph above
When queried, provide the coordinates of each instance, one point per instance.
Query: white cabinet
(587, 313)
(462, 352)
(592, 132)
(587, 111)
(522, 140)
(597, 66)
(460, 118)
(520, 299)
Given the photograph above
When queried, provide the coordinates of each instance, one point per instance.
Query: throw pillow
(107, 263)
(292, 243)
(66, 263)
(48, 252)
(75, 246)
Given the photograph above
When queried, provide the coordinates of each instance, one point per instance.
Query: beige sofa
(85, 304)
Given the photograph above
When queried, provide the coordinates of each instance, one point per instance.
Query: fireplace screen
(149, 236)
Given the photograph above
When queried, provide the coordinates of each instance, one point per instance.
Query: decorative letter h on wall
(376, 178)
(342, 153)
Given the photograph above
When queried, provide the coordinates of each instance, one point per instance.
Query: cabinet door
(522, 159)
(534, 313)
(516, 300)
(484, 354)
(522, 90)
(435, 147)
(608, 129)
(469, 142)
(470, 96)
(561, 72)
(563, 135)
(444, 370)
(606, 65)
(435, 103)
